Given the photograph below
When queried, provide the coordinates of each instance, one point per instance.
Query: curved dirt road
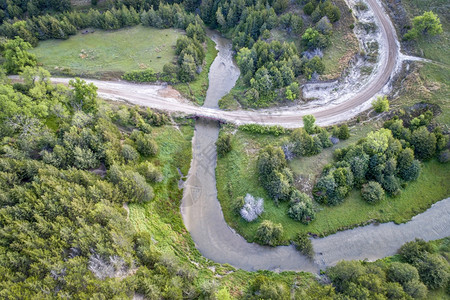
(165, 98)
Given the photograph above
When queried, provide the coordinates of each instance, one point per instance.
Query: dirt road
(165, 98)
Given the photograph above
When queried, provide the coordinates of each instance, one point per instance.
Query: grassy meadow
(107, 54)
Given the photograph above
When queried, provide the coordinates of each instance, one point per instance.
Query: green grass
(343, 46)
(109, 53)
(236, 175)
(196, 90)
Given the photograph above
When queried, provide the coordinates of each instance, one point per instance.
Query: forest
(89, 189)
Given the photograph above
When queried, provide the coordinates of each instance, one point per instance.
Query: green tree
(401, 273)
(269, 233)
(344, 132)
(372, 192)
(424, 143)
(308, 123)
(16, 55)
(381, 104)
(129, 153)
(223, 144)
(83, 96)
(426, 24)
(304, 245)
(302, 211)
(433, 270)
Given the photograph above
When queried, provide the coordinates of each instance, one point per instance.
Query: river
(203, 217)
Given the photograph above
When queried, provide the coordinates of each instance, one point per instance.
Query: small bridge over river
(197, 116)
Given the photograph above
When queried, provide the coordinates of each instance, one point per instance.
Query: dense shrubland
(382, 162)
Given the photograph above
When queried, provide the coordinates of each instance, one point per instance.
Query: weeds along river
(203, 217)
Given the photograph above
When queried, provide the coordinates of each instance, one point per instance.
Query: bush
(302, 210)
(444, 157)
(150, 172)
(308, 123)
(252, 208)
(129, 153)
(303, 244)
(263, 129)
(146, 145)
(433, 270)
(344, 132)
(269, 233)
(372, 192)
(402, 273)
(424, 143)
(414, 251)
(223, 144)
(147, 75)
(237, 204)
(381, 104)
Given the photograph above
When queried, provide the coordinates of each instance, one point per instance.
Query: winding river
(204, 219)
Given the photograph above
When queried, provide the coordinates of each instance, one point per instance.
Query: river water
(203, 217)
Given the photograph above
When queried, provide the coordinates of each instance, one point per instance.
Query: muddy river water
(204, 219)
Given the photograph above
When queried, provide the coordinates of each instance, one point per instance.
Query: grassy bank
(106, 54)
(196, 90)
(237, 175)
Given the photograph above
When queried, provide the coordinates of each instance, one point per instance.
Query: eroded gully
(204, 219)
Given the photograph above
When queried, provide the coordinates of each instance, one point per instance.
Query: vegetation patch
(103, 52)
(196, 90)
(237, 175)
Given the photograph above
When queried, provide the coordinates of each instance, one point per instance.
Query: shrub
(344, 132)
(391, 185)
(444, 157)
(237, 204)
(402, 273)
(146, 145)
(416, 289)
(252, 208)
(424, 143)
(414, 251)
(269, 233)
(150, 172)
(381, 104)
(308, 123)
(372, 192)
(263, 129)
(433, 270)
(302, 212)
(129, 153)
(223, 144)
(426, 24)
(303, 244)
(147, 75)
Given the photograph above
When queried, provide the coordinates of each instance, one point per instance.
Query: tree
(308, 123)
(416, 289)
(83, 96)
(252, 208)
(381, 104)
(414, 251)
(302, 211)
(146, 145)
(16, 55)
(129, 153)
(372, 192)
(401, 273)
(269, 233)
(304, 245)
(424, 143)
(223, 144)
(344, 132)
(324, 138)
(426, 24)
(433, 270)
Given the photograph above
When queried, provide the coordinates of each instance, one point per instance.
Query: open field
(107, 54)
(237, 175)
